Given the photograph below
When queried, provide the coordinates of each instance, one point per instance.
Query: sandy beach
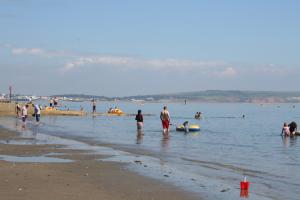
(85, 178)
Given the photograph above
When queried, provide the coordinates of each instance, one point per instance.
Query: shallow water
(33, 159)
(212, 161)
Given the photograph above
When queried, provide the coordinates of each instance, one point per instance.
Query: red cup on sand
(245, 184)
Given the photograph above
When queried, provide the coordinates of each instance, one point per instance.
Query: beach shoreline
(85, 178)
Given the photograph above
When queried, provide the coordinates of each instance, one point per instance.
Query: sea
(210, 163)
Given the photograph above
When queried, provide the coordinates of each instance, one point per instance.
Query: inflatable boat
(116, 112)
(191, 128)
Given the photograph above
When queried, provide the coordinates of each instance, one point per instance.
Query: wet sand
(85, 178)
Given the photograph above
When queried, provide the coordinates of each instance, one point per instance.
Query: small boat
(116, 111)
(21, 99)
(192, 127)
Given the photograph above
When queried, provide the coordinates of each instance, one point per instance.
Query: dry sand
(7, 109)
(84, 179)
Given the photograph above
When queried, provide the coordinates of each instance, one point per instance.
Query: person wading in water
(165, 119)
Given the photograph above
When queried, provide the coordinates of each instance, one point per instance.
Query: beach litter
(244, 185)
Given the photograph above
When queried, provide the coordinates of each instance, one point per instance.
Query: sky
(135, 47)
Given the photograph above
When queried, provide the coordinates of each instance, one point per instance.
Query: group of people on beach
(289, 129)
(112, 110)
(53, 102)
(22, 111)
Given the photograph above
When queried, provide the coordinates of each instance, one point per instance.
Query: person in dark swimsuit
(139, 120)
(94, 106)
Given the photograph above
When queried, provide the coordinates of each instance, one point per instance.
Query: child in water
(285, 130)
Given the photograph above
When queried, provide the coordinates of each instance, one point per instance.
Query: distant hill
(222, 96)
(217, 96)
(83, 96)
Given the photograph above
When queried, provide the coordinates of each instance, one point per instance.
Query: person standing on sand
(94, 106)
(139, 120)
(24, 112)
(165, 119)
(18, 109)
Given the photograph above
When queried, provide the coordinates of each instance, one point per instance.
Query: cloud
(27, 51)
(73, 60)
(272, 69)
(39, 52)
(100, 60)
(141, 63)
(227, 72)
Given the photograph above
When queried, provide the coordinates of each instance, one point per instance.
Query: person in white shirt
(24, 112)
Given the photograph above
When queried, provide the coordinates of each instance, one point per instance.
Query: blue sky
(118, 48)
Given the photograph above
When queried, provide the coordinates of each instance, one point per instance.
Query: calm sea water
(212, 161)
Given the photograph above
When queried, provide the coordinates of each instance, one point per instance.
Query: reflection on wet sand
(139, 137)
(165, 141)
(26, 130)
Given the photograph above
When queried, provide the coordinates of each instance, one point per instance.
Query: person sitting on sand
(139, 120)
(285, 130)
(293, 128)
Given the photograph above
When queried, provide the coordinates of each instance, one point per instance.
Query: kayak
(192, 128)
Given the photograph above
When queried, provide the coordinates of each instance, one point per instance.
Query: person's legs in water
(37, 117)
(166, 125)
